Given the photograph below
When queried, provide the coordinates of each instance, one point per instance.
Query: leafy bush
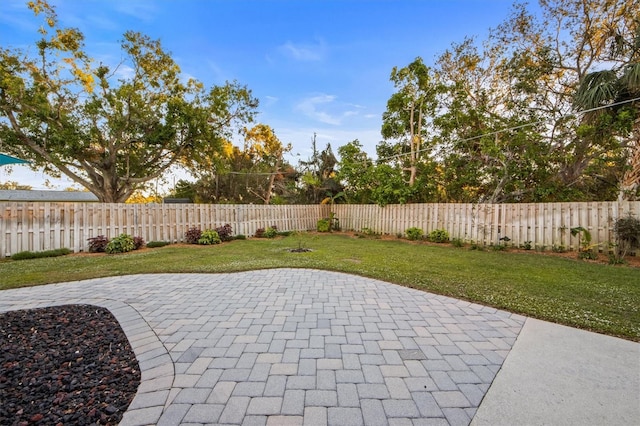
(209, 237)
(98, 244)
(192, 235)
(627, 230)
(439, 236)
(138, 243)
(527, 245)
(271, 232)
(154, 244)
(259, 233)
(586, 249)
(457, 242)
(558, 248)
(23, 255)
(123, 243)
(240, 237)
(414, 233)
(323, 225)
(225, 232)
(328, 224)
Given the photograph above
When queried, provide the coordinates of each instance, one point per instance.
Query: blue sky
(318, 66)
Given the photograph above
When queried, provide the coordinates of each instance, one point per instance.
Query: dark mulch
(67, 365)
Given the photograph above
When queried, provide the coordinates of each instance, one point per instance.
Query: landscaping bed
(68, 364)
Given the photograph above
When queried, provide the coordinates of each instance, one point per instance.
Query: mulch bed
(65, 365)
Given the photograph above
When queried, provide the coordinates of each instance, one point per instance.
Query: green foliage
(24, 255)
(414, 233)
(328, 224)
(96, 128)
(527, 245)
(439, 236)
(323, 225)
(457, 242)
(209, 237)
(123, 243)
(558, 248)
(586, 249)
(240, 237)
(271, 232)
(627, 230)
(475, 246)
(98, 244)
(154, 244)
(192, 235)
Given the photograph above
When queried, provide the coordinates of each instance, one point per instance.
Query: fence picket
(37, 226)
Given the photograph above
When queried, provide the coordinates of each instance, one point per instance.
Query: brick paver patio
(295, 347)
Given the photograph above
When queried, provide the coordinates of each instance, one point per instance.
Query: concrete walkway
(304, 347)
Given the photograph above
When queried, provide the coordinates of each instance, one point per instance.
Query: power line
(521, 126)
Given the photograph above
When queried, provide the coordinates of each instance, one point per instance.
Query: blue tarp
(7, 159)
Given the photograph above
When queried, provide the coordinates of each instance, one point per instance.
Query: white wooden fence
(48, 225)
(542, 224)
(45, 226)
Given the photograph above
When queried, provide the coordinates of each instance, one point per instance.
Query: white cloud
(304, 52)
(142, 10)
(309, 107)
(270, 100)
(319, 108)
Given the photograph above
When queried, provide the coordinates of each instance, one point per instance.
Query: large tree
(110, 128)
(409, 112)
(612, 100)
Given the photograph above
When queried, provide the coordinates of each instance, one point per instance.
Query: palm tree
(620, 88)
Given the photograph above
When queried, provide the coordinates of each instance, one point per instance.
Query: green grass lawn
(596, 297)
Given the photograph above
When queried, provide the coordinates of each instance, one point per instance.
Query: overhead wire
(507, 129)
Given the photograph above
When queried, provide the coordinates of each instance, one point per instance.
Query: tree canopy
(510, 118)
(110, 127)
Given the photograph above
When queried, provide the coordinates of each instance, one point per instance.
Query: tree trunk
(631, 178)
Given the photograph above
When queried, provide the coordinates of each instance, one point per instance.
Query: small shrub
(98, 244)
(586, 249)
(259, 233)
(328, 224)
(240, 237)
(154, 244)
(271, 232)
(439, 236)
(558, 248)
(225, 232)
(209, 237)
(24, 255)
(457, 242)
(476, 246)
(527, 245)
(192, 235)
(123, 243)
(498, 247)
(323, 225)
(138, 243)
(414, 233)
(541, 248)
(627, 230)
